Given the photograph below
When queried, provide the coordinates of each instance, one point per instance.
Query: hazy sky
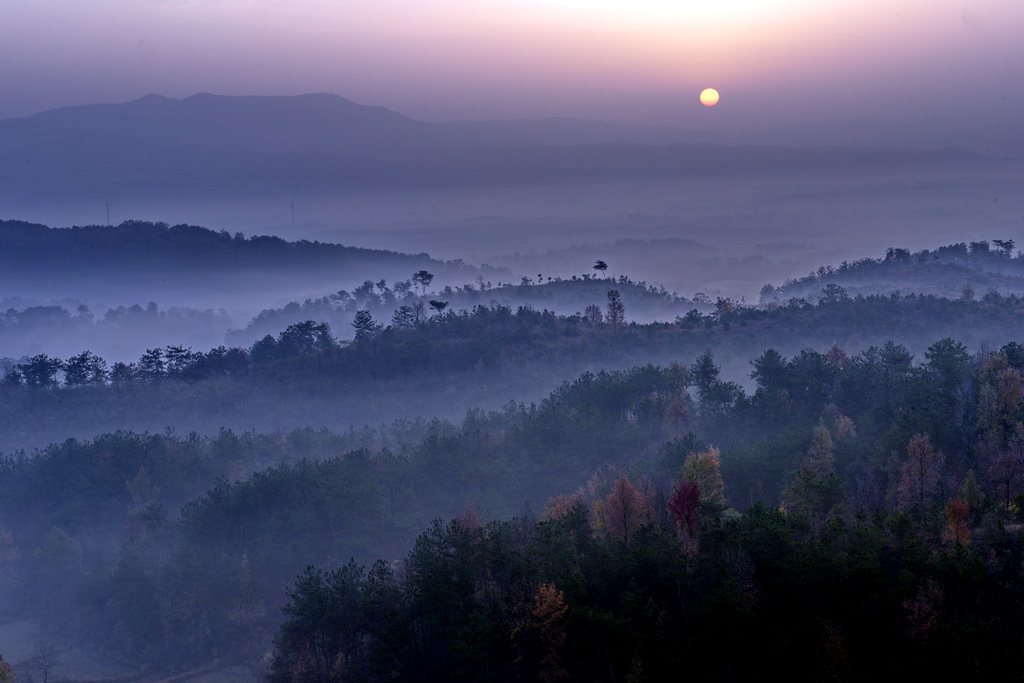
(774, 61)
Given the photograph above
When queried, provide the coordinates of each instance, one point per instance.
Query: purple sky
(774, 61)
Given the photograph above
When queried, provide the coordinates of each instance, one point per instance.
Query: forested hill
(189, 265)
(880, 497)
(143, 244)
(962, 270)
(445, 363)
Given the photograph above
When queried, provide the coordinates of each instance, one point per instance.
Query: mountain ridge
(215, 145)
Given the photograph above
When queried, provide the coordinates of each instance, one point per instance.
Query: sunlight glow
(677, 10)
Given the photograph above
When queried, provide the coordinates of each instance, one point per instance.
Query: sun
(709, 97)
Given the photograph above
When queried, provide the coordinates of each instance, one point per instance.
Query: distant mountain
(217, 146)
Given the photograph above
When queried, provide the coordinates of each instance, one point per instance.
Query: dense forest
(661, 502)
(826, 484)
(440, 363)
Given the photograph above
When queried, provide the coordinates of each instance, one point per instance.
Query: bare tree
(44, 661)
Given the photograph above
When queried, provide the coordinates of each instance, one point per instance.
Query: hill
(139, 261)
(951, 271)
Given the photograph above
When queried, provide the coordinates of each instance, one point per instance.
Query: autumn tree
(684, 506)
(919, 475)
(561, 506)
(624, 510)
(705, 469)
(548, 620)
(955, 532)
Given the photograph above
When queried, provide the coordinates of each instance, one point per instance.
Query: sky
(635, 61)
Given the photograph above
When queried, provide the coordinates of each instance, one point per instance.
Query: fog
(726, 236)
(303, 446)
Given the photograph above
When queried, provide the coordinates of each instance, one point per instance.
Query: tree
(151, 366)
(677, 414)
(704, 373)
(706, 470)
(814, 495)
(84, 369)
(13, 378)
(549, 616)
(770, 372)
(1005, 245)
(956, 533)
(366, 328)
(122, 373)
(438, 306)
(919, 475)
(41, 371)
(404, 318)
(264, 350)
(592, 314)
(820, 454)
(833, 293)
(1000, 399)
(45, 660)
(177, 359)
(6, 672)
(304, 338)
(1007, 470)
(624, 510)
(684, 506)
(423, 278)
(616, 310)
(600, 266)
(949, 362)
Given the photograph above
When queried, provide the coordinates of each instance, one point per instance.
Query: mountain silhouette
(219, 146)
